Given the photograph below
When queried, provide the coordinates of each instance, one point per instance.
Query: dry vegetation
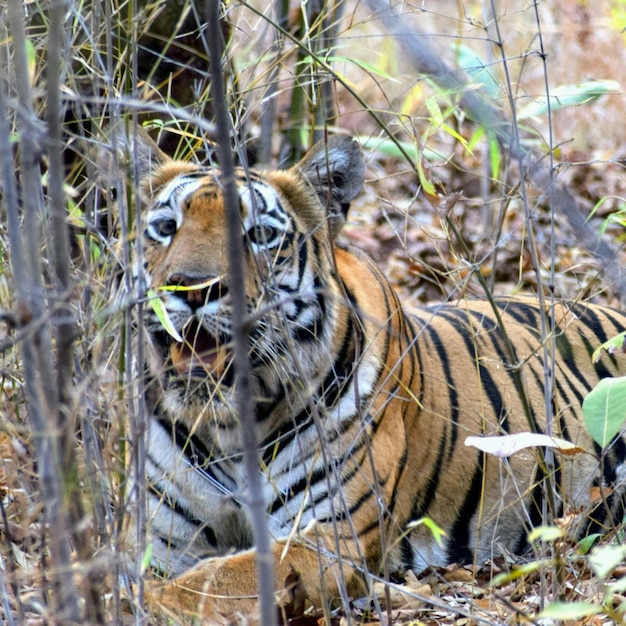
(69, 308)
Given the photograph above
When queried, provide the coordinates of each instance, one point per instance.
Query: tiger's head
(288, 221)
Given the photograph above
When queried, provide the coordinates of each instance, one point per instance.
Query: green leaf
(477, 135)
(569, 610)
(519, 572)
(368, 67)
(436, 117)
(495, 156)
(95, 250)
(478, 70)
(31, 60)
(448, 129)
(161, 312)
(604, 409)
(569, 95)
(147, 558)
(413, 98)
(615, 344)
(586, 543)
(604, 559)
(435, 530)
(545, 533)
(390, 148)
(427, 186)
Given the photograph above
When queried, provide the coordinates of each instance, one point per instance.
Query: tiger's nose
(197, 291)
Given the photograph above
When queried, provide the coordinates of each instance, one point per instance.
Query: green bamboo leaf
(604, 559)
(495, 156)
(478, 70)
(448, 129)
(569, 610)
(477, 135)
(437, 532)
(604, 409)
(147, 558)
(413, 99)
(427, 186)
(519, 572)
(161, 312)
(615, 344)
(390, 148)
(569, 95)
(545, 533)
(31, 60)
(368, 67)
(436, 117)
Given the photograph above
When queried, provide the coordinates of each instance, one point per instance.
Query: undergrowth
(449, 199)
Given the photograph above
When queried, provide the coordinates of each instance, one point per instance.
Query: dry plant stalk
(245, 404)
(49, 315)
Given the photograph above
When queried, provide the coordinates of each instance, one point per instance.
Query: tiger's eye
(165, 228)
(262, 234)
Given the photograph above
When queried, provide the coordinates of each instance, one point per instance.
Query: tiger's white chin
(208, 409)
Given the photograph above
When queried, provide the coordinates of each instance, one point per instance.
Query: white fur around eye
(264, 218)
(165, 216)
(162, 224)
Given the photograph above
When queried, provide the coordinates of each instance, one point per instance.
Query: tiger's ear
(336, 170)
(135, 153)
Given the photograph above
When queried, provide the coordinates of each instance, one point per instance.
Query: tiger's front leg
(224, 586)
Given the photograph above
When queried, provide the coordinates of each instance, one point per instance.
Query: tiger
(362, 405)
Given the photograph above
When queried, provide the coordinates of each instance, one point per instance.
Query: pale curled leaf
(507, 445)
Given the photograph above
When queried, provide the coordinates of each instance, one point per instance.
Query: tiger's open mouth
(200, 354)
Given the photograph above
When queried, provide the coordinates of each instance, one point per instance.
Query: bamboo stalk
(245, 404)
(44, 407)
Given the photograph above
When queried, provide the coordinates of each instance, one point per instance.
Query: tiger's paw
(219, 589)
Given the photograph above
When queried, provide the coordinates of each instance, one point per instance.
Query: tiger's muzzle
(201, 353)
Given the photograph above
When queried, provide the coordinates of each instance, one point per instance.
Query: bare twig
(268, 115)
(64, 325)
(43, 399)
(245, 404)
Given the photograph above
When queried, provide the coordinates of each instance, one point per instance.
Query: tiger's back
(362, 409)
(480, 380)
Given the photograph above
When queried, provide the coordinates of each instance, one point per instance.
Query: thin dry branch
(245, 404)
(64, 325)
(46, 411)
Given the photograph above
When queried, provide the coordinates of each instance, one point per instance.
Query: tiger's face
(287, 220)
(187, 262)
